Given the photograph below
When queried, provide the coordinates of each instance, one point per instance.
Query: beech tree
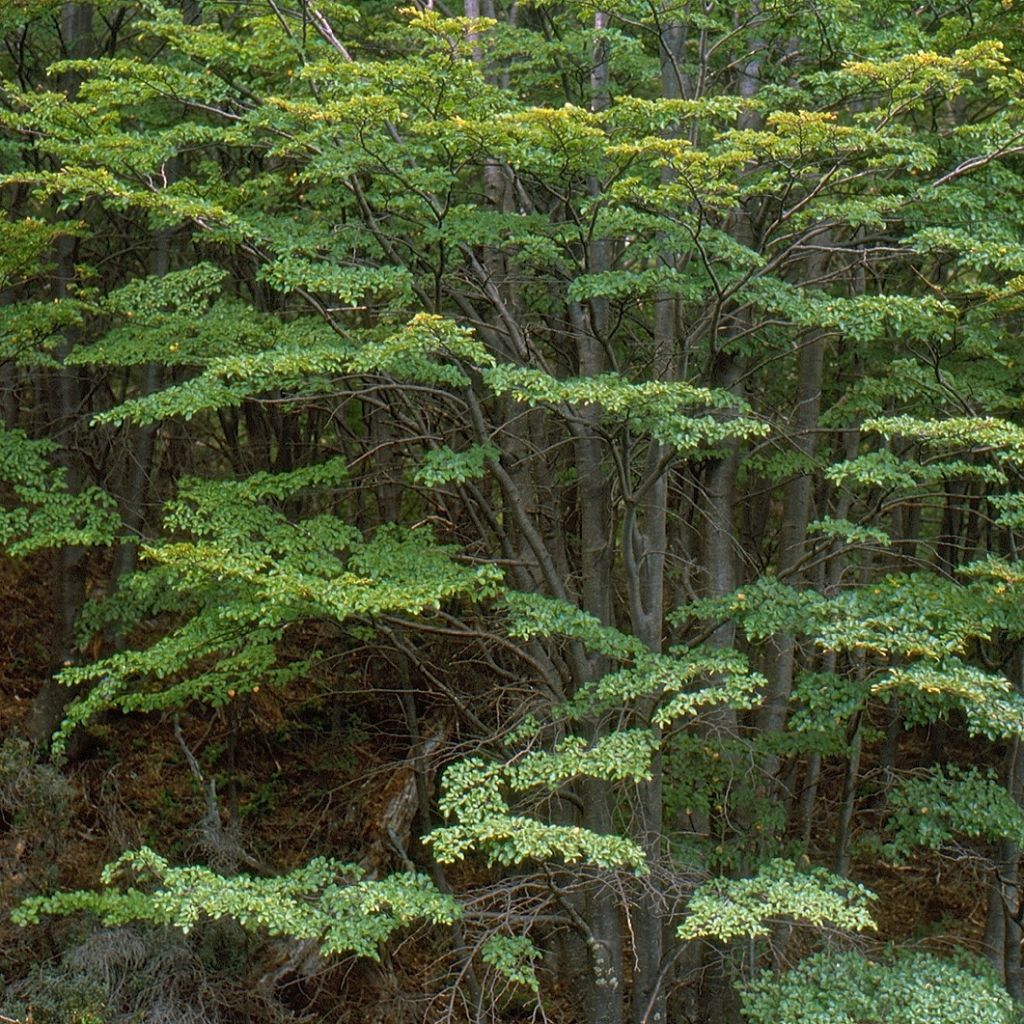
(659, 359)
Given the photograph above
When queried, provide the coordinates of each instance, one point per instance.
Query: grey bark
(65, 387)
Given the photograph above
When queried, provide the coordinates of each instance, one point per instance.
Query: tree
(660, 358)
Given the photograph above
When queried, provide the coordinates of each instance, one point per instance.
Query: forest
(511, 511)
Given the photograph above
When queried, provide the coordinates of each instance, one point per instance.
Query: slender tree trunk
(139, 470)
(605, 1000)
(796, 513)
(65, 400)
(645, 539)
(1003, 932)
(844, 830)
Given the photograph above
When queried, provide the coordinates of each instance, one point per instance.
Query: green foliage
(1003, 440)
(536, 615)
(47, 514)
(929, 691)
(896, 988)
(825, 702)
(730, 908)
(682, 359)
(444, 466)
(472, 793)
(850, 533)
(765, 607)
(509, 839)
(512, 956)
(324, 900)
(660, 409)
(250, 574)
(886, 470)
(946, 804)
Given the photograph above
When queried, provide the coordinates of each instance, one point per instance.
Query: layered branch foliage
(666, 356)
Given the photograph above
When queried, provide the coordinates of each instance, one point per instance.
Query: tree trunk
(65, 401)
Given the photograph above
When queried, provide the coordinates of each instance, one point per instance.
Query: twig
(209, 788)
(220, 841)
(980, 161)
